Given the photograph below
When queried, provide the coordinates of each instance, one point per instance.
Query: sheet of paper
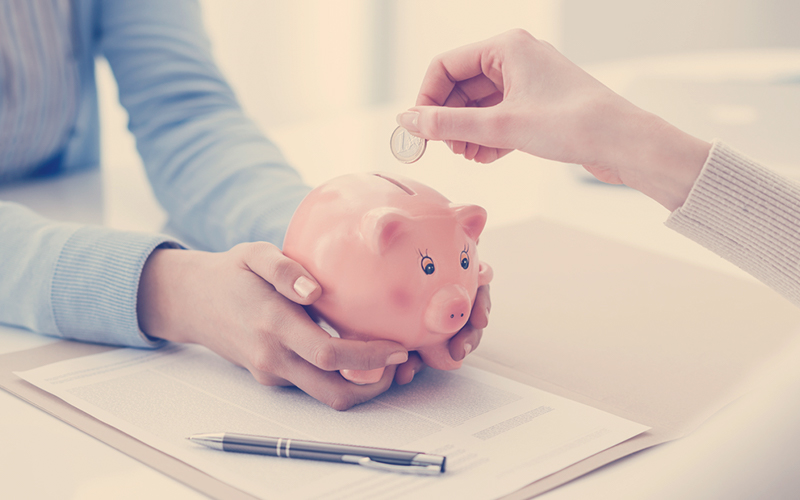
(498, 435)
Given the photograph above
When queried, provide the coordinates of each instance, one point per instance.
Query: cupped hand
(246, 305)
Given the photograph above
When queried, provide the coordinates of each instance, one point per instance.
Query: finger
(471, 92)
(362, 376)
(490, 100)
(465, 342)
(471, 150)
(479, 317)
(454, 66)
(406, 371)
(317, 347)
(480, 88)
(269, 379)
(489, 127)
(486, 155)
(457, 98)
(333, 390)
(439, 356)
(288, 277)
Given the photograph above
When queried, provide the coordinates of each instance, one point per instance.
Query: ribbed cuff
(748, 215)
(96, 282)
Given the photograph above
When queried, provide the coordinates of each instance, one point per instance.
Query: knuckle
(501, 127)
(240, 250)
(255, 249)
(262, 363)
(282, 269)
(265, 378)
(342, 401)
(261, 247)
(477, 338)
(519, 35)
(434, 125)
(497, 121)
(324, 356)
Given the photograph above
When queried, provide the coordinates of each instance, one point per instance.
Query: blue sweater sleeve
(72, 281)
(220, 180)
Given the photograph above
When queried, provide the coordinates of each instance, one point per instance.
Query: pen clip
(426, 470)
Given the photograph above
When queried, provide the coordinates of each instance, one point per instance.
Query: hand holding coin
(406, 147)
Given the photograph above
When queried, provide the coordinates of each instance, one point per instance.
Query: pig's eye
(427, 265)
(464, 259)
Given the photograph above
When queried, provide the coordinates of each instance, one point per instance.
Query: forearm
(221, 181)
(748, 215)
(71, 281)
(166, 280)
(670, 161)
(647, 153)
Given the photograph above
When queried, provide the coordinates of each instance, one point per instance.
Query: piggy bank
(395, 260)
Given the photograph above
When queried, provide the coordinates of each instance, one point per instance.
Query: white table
(44, 458)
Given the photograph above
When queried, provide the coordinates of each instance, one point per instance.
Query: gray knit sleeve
(748, 215)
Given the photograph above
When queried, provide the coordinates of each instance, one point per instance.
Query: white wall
(595, 30)
(294, 60)
(426, 28)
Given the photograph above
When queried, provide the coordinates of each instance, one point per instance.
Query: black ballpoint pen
(409, 462)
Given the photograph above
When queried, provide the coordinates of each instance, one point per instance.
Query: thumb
(288, 277)
(468, 124)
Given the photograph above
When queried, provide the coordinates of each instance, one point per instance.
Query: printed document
(498, 435)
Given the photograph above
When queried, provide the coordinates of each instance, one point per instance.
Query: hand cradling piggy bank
(395, 259)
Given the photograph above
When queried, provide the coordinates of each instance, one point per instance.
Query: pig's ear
(381, 226)
(472, 218)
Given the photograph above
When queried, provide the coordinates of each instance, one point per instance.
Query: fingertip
(409, 120)
(397, 357)
(481, 320)
(405, 372)
(305, 288)
(404, 375)
(471, 151)
(363, 377)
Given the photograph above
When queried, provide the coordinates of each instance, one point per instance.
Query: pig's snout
(448, 310)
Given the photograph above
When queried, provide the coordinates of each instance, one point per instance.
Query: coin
(406, 147)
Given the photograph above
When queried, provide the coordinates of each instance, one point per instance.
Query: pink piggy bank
(395, 259)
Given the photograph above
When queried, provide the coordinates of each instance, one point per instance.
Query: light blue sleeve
(72, 281)
(220, 180)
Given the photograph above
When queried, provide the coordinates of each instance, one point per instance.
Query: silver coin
(406, 147)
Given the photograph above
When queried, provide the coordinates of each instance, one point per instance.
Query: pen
(410, 462)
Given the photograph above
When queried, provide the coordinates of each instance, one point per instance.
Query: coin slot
(397, 183)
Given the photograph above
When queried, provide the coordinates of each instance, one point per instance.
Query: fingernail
(409, 120)
(397, 358)
(449, 145)
(304, 287)
(467, 349)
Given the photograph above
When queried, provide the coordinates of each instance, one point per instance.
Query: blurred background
(324, 79)
(304, 59)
